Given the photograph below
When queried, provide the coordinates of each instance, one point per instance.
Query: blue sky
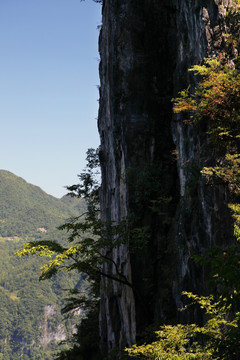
(48, 89)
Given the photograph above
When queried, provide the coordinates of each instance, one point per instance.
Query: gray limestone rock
(146, 49)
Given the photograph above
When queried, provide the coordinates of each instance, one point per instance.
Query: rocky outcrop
(151, 160)
(47, 334)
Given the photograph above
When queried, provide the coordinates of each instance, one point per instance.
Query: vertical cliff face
(151, 160)
(202, 208)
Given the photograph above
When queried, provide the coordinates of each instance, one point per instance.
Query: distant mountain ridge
(24, 207)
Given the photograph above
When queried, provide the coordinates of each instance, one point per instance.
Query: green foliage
(182, 342)
(24, 300)
(173, 344)
(85, 252)
(23, 304)
(216, 102)
(25, 208)
(228, 172)
(84, 343)
(88, 235)
(214, 105)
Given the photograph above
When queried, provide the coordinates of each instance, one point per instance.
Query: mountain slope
(30, 311)
(24, 208)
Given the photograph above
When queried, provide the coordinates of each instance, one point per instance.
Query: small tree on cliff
(87, 234)
(88, 238)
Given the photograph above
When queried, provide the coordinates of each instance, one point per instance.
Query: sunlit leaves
(89, 237)
(216, 101)
(174, 343)
(228, 172)
(185, 102)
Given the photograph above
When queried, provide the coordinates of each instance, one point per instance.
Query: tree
(87, 234)
(88, 237)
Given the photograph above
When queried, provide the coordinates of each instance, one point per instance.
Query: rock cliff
(151, 160)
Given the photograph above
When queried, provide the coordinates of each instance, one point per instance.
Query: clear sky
(48, 89)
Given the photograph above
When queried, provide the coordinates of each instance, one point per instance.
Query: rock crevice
(146, 49)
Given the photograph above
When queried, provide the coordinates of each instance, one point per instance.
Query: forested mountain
(31, 323)
(26, 208)
(168, 235)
